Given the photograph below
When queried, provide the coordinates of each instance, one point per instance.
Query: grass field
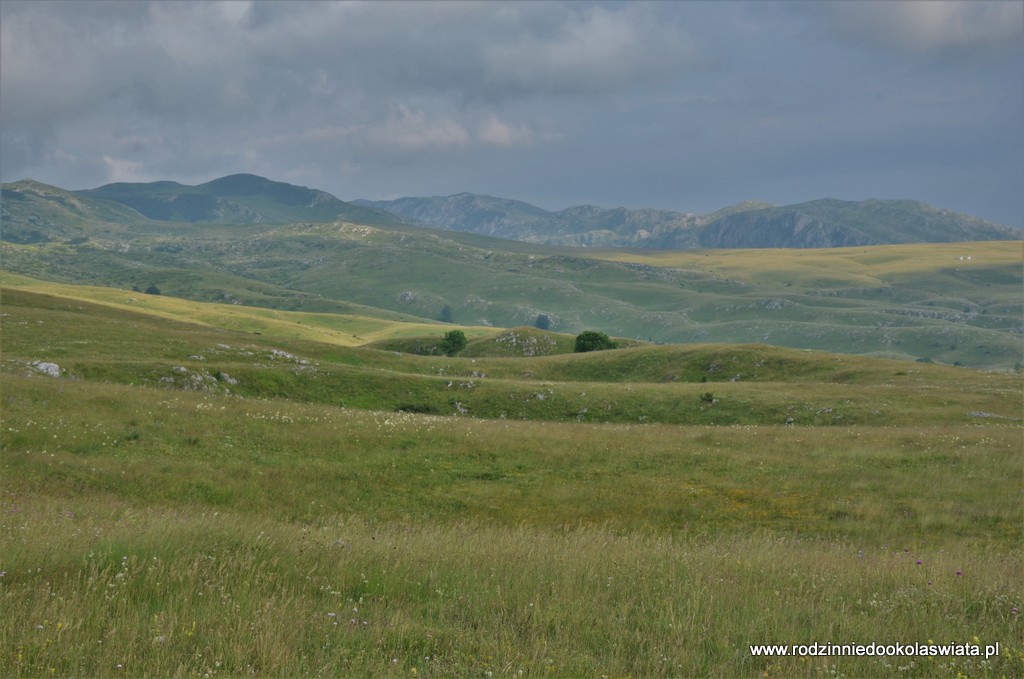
(184, 501)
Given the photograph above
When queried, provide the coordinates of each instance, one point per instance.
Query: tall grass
(299, 461)
(112, 589)
(148, 532)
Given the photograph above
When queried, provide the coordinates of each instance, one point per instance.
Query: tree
(446, 314)
(543, 322)
(152, 290)
(453, 342)
(591, 340)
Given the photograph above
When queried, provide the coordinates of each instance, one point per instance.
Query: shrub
(453, 342)
(591, 340)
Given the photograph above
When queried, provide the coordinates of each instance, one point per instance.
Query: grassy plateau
(201, 490)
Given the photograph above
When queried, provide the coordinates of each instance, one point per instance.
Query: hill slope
(237, 199)
(100, 341)
(835, 223)
(33, 212)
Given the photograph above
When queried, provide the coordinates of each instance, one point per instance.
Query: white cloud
(497, 133)
(121, 170)
(976, 27)
(414, 130)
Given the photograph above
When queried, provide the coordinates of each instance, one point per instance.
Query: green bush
(453, 342)
(591, 340)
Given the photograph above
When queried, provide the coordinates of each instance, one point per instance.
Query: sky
(688, 106)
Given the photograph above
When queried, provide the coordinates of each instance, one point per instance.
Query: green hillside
(950, 303)
(32, 212)
(309, 358)
(837, 223)
(234, 491)
(236, 199)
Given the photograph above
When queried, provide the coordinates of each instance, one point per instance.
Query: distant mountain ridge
(820, 223)
(33, 212)
(237, 199)
(249, 199)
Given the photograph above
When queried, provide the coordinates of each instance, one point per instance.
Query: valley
(953, 303)
(238, 449)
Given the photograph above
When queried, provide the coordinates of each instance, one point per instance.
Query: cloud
(627, 102)
(414, 130)
(989, 29)
(494, 131)
(597, 50)
(120, 170)
(444, 79)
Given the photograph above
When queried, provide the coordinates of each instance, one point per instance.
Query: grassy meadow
(187, 499)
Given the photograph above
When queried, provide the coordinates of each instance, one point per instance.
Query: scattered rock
(51, 369)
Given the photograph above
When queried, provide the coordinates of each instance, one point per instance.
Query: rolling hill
(237, 199)
(33, 212)
(107, 337)
(949, 303)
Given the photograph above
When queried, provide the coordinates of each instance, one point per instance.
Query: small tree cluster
(592, 340)
(453, 342)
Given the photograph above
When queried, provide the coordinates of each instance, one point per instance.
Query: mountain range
(249, 199)
(821, 223)
(239, 198)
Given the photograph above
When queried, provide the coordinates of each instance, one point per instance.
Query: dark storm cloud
(682, 105)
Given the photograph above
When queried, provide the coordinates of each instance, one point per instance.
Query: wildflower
(959, 573)
(918, 562)
(1013, 611)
